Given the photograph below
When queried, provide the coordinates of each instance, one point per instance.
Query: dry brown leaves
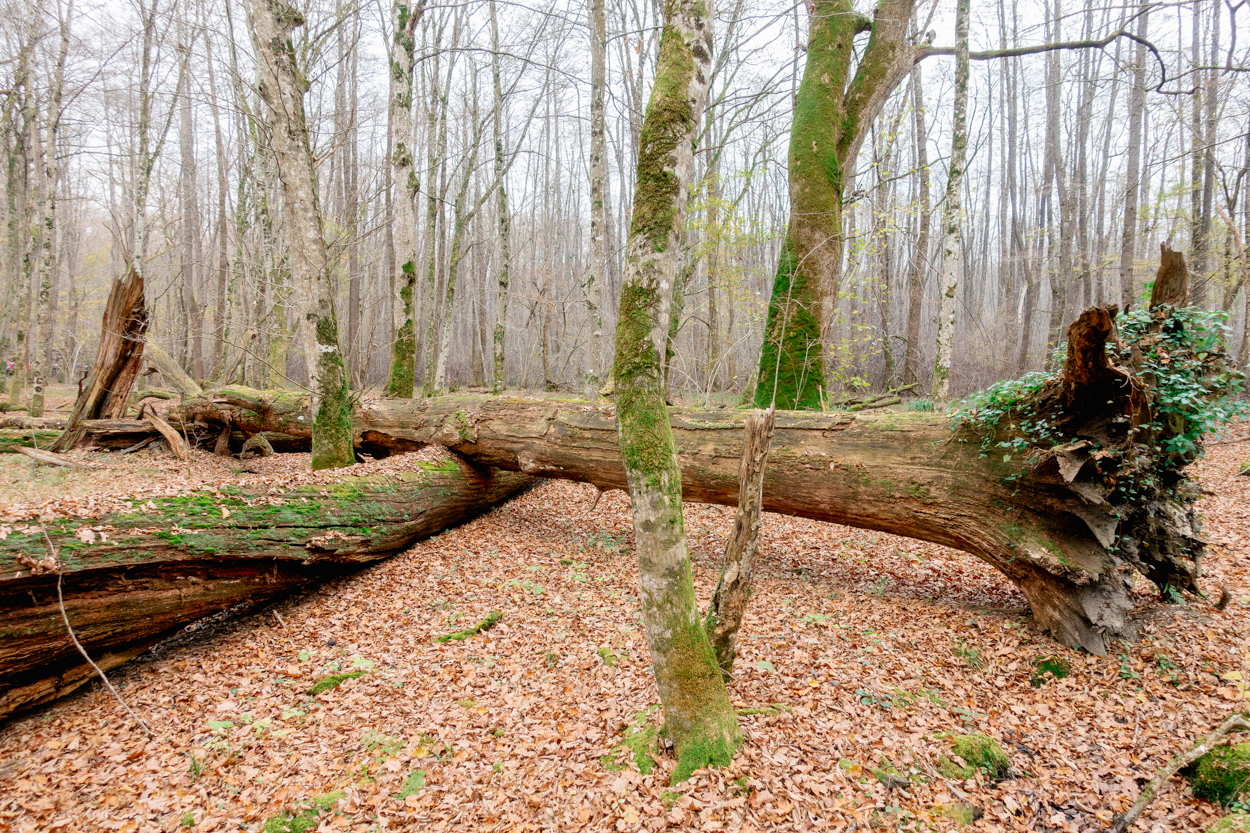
(874, 646)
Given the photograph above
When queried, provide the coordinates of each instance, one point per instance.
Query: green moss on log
(980, 753)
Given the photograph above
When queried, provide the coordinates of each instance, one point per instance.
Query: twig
(1236, 723)
(60, 602)
(486, 624)
(47, 458)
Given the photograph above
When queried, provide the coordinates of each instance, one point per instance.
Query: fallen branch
(47, 458)
(177, 445)
(1236, 723)
(486, 624)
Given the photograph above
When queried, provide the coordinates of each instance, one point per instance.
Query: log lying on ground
(130, 579)
(1066, 511)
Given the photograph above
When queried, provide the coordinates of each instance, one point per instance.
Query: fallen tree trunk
(133, 577)
(1064, 484)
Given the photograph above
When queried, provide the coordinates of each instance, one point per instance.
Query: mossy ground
(980, 753)
(304, 816)
(332, 681)
(1222, 775)
(1235, 823)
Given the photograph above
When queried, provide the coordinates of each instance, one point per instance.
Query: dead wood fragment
(1236, 723)
(47, 458)
(177, 445)
(106, 391)
(724, 615)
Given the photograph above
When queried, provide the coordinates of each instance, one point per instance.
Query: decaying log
(1054, 518)
(132, 578)
(171, 372)
(107, 388)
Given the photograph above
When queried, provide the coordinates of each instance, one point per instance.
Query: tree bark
(106, 389)
(832, 114)
(952, 239)
(697, 711)
(133, 577)
(729, 602)
(404, 18)
(282, 87)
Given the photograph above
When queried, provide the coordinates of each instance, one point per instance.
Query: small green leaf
(765, 665)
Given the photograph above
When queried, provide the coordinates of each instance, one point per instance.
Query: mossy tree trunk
(130, 577)
(505, 225)
(282, 86)
(697, 710)
(596, 275)
(404, 17)
(833, 112)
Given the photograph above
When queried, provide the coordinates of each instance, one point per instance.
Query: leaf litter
(862, 656)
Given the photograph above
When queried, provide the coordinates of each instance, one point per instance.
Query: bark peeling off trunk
(131, 579)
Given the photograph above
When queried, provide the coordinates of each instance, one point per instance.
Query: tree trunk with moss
(401, 380)
(697, 710)
(282, 86)
(833, 112)
(133, 576)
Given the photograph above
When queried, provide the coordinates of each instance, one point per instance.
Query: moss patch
(1236, 823)
(1222, 775)
(333, 681)
(492, 619)
(960, 812)
(980, 753)
(641, 739)
(1046, 668)
(303, 816)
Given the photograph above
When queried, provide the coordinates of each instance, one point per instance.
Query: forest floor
(859, 651)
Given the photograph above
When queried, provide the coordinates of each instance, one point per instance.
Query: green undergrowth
(303, 815)
(1049, 668)
(492, 619)
(1222, 776)
(1232, 823)
(980, 753)
(640, 739)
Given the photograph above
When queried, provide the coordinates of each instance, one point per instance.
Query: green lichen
(303, 816)
(980, 753)
(1222, 775)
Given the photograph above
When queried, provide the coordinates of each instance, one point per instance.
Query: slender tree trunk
(1136, 106)
(404, 18)
(48, 177)
(282, 86)
(952, 239)
(920, 251)
(697, 710)
(505, 226)
(597, 273)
